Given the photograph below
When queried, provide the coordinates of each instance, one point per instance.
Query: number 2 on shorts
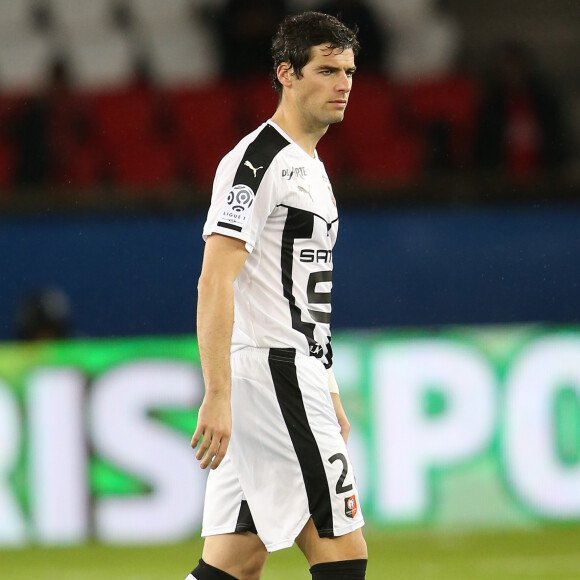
(340, 487)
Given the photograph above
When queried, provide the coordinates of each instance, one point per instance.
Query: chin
(331, 119)
(336, 118)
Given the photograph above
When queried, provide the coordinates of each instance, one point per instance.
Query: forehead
(323, 54)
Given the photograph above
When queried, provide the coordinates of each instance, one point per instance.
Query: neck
(304, 134)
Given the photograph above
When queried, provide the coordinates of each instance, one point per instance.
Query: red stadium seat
(132, 126)
(84, 167)
(207, 127)
(78, 158)
(121, 117)
(450, 101)
(372, 143)
(9, 105)
(7, 164)
(146, 165)
(257, 103)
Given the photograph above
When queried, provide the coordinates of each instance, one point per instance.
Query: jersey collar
(286, 136)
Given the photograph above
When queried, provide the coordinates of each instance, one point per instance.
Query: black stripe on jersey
(328, 224)
(299, 225)
(245, 521)
(328, 364)
(259, 156)
(229, 226)
(319, 297)
(283, 370)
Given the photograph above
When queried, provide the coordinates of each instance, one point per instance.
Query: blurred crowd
(133, 99)
(419, 108)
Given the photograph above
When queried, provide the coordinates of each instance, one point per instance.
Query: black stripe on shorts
(283, 370)
(245, 521)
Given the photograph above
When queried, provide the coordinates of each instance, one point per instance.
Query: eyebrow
(335, 68)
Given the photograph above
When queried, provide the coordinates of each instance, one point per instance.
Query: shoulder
(253, 156)
(265, 144)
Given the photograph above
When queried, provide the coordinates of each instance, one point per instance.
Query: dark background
(137, 275)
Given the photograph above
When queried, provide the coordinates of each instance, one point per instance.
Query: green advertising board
(454, 428)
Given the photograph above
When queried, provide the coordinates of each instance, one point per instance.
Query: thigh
(351, 546)
(241, 555)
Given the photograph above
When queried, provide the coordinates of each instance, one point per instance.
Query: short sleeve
(238, 211)
(245, 189)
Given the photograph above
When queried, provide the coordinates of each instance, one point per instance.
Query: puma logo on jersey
(254, 169)
(304, 190)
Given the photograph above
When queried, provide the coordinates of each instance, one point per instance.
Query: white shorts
(286, 461)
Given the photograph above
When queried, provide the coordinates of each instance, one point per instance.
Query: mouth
(339, 102)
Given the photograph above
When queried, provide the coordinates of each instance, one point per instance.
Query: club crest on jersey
(237, 207)
(350, 507)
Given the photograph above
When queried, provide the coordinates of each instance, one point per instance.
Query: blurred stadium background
(456, 288)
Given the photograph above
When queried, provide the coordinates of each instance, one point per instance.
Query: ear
(285, 74)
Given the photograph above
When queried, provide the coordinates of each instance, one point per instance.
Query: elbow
(205, 285)
(209, 285)
(201, 283)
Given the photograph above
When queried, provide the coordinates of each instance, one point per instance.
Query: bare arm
(222, 261)
(338, 408)
(341, 416)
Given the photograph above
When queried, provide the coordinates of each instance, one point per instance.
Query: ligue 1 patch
(350, 507)
(237, 208)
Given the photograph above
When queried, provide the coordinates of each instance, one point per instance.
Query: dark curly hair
(297, 35)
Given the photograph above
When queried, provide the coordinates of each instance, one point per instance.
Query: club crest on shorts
(350, 507)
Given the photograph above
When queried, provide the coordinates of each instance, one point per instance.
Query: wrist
(218, 392)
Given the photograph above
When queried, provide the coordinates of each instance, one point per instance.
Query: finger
(203, 446)
(213, 449)
(196, 437)
(211, 452)
(206, 460)
(221, 452)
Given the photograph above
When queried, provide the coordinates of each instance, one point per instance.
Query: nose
(343, 83)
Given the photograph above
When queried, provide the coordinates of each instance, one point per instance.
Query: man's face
(322, 92)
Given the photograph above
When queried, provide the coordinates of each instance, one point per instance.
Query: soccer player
(271, 425)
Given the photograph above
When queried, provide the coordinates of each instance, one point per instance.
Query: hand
(214, 428)
(341, 416)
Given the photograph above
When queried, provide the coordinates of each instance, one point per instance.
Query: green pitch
(544, 554)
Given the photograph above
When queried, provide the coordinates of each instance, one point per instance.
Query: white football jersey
(271, 194)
